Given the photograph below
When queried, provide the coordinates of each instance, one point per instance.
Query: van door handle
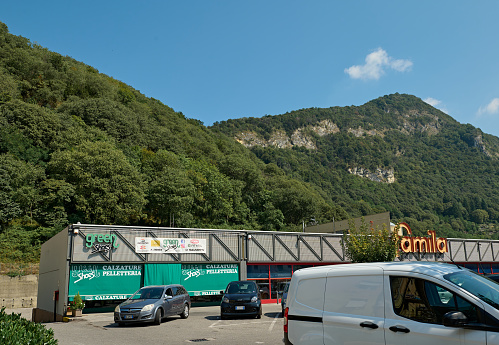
(399, 329)
(368, 324)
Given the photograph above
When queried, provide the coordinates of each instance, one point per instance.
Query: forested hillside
(395, 153)
(79, 146)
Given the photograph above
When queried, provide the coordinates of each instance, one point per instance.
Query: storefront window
(258, 271)
(485, 269)
(272, 278)
(280, 271)
(278, 287)
(473, 267)
(298, 267)
(264, 288)
(495, 268)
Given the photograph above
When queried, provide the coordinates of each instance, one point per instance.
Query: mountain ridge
(79, 146)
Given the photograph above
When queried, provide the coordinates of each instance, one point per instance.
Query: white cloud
(376, 64)
(436, 103)
(490, 109)
(432, 101)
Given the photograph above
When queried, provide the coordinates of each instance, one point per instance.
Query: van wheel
(185, 313)
(157, 317)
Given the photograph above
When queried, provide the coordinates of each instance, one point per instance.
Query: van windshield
(485, 289)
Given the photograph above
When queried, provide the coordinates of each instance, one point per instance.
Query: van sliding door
(354, 307)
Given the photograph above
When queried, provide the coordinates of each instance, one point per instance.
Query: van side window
(355, 295)
(423, 301)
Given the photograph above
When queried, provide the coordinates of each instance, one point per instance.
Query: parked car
(241, 298)
(284, 295)
(391, 303)
(153, 303)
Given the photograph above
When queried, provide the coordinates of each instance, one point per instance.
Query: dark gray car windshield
(483, 288)
(148, 293)
(241, 288)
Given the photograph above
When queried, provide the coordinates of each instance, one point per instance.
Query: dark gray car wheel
(185, 313)
(259, 315)
(157, 317)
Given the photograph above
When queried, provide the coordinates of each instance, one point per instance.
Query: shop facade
(106, 264)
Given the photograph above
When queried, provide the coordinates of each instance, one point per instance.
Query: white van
(407, 303)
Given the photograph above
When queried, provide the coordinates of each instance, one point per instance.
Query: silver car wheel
(185, 313)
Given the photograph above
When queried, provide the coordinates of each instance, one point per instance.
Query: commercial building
(106, 264)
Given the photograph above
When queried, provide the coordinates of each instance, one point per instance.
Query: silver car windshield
(485, 289)
(148, 293)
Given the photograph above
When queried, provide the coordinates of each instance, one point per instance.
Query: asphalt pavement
(203, 326)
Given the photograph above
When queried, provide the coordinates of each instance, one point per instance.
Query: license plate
(239, 307)
(128, 317)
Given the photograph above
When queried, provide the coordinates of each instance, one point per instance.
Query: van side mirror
(168, 297)
(455, 319)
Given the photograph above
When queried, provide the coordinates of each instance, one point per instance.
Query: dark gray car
(153, 303)
(241, 298)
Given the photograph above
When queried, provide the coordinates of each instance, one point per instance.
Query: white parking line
(273, 322)
(217, 324)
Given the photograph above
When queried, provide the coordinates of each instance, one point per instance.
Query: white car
(391, 303)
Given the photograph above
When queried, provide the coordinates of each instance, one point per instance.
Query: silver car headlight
(254, 299)
(148, 307)
(225, 299)
(117, 309)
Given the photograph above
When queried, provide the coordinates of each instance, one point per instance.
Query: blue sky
(215, 60)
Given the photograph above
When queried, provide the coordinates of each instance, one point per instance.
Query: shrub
(367, 244)
(17, 330)
(76, 303)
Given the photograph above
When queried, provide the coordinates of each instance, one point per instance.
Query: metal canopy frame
(233, 246)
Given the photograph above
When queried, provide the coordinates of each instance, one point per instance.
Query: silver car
(152, 304)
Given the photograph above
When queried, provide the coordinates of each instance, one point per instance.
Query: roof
(424, 267)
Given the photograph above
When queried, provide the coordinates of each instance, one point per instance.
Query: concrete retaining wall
(18, 292)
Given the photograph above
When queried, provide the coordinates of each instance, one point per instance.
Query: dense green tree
(108, 190)
(479, 216)
(171, 198)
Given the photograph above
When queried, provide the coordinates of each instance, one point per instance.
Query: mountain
(79, 146)
(395, 153)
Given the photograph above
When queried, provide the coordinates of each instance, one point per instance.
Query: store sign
(101, 243)
(104, 281)
(416, 244)
(208, 279)
(152, 245)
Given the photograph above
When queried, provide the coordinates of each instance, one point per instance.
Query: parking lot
(203, 326)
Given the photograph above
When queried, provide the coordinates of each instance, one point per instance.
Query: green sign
(208, 279)
(104, 281)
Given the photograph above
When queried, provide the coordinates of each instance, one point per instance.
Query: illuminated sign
(432, 244)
